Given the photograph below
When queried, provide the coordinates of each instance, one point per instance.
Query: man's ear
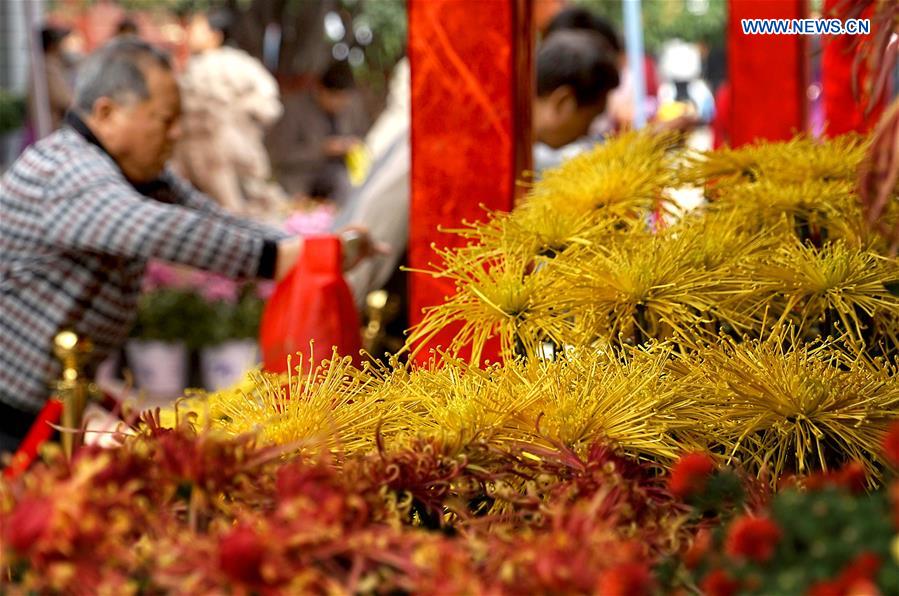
(103, 109)
(563, 100)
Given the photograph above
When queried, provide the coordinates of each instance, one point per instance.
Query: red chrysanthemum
(28, 523)
(754, 538)
(241, 553)
(627, 579)
(719, 583)
(891, 444)
(690, 474)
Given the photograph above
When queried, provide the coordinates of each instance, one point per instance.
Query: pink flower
(220, 288)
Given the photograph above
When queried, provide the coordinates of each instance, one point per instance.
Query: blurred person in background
(576, 71)
(58, 78)
(381, 203)
(684, 95)
(229, 100)
(310, 144)
(86, 208)
(619, 113)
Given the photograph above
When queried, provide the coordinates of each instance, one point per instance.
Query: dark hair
(51, 36)
(578, 17)
(116, 70)
(221, 20)
(127, 26)
(579, 59)
(338, 77)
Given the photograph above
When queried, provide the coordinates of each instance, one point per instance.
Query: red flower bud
(754, 538)
(28, 523)
(241, 553)
(690, 474)
(851, 477)
(627, 579)
(856, 579)
(719, 583)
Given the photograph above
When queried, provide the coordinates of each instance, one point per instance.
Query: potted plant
(170, 322)
(230, 348)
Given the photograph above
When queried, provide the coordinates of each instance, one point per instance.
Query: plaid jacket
(75, 237)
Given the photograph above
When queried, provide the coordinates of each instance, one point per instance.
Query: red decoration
(471, 93)
(767, 74)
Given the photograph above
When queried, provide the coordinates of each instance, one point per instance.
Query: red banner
(471, 94)
(767, 74)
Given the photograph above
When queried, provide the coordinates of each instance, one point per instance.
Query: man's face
(559, 120)
(141, 135)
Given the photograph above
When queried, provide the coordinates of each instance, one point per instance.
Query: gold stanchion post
(72, 387)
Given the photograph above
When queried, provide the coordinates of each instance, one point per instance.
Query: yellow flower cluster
(761, 326)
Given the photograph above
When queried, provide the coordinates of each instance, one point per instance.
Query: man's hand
(880, 173)
(339, 146)
(288, 254)
(356, 243)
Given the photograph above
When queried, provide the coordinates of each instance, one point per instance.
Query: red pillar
(471, 95)
(767, 73)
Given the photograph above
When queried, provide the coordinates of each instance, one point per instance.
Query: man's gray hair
(116, 71)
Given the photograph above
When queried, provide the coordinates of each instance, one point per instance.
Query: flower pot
(160, 368)
(225, 364)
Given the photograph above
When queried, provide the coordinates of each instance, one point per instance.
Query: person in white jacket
(381, 203)
(229, 99)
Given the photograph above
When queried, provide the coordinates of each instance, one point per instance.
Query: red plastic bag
(313, 303)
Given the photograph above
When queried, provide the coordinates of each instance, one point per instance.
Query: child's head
(576, 70)
(335, 87)
(580, 18)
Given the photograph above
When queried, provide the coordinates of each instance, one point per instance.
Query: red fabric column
(766, 72)
(471, 95)
(845, 103)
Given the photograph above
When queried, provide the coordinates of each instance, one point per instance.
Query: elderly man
(83, 211)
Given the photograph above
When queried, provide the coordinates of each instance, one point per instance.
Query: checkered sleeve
(192, 198)
(108, 216)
